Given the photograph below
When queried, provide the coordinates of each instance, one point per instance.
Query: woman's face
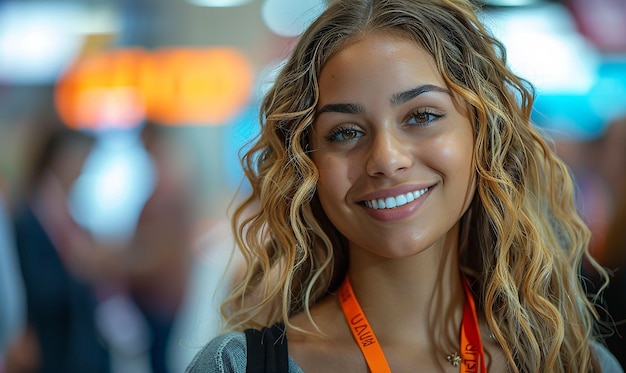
(393, 147)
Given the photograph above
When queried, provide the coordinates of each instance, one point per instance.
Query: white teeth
(390, 202)
(397, 201)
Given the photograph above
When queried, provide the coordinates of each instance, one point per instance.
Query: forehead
(378, 62)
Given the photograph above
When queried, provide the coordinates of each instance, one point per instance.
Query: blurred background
(121, 123)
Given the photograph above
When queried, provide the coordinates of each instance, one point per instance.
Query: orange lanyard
(472, 354)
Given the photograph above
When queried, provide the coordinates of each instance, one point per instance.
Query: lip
(397, 213)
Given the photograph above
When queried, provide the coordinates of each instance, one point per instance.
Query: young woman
(405, 213)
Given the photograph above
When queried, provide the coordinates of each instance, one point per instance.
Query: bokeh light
(290, 18)
(175, 86)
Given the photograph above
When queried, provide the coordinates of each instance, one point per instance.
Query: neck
(416, 300)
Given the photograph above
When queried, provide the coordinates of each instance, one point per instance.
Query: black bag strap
(267, 350)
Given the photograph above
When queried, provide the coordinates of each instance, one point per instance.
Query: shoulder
(608, 362)
(223, 354)
(226, 353)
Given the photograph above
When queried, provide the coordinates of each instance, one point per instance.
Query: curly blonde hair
(522, 240)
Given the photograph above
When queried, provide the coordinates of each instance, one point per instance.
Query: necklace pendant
(454, 359)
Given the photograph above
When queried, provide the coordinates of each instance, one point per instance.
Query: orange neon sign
(175, 86)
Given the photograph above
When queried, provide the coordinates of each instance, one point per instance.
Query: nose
(389, 154)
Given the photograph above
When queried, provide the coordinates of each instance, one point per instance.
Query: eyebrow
(402, 97)
(341, 108)
(396, 99)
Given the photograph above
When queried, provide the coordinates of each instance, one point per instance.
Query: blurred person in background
(55, 261)
(120, 296)
(615, 297)
(145, 268)
(610, 156)
(608, 160)
(592, 196)
(11, 286)
(158, 258)
(600, 174)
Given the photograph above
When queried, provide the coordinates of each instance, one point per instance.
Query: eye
(344, 134)
(422, 117)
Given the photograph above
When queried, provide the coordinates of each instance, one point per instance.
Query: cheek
(454, 160)
(335, 177)
(461, 161)
(453, 155)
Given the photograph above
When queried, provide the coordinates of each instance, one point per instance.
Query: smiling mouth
(397, 201)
